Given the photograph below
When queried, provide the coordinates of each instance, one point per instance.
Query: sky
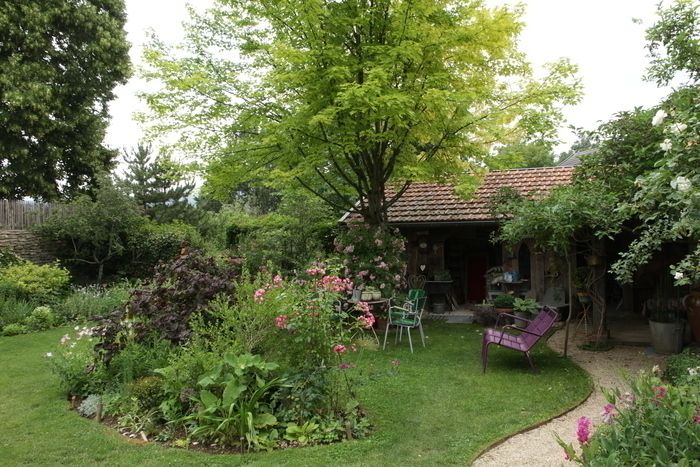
(599, 36)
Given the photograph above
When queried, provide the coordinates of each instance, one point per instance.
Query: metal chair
(524, 340)
(408, 316)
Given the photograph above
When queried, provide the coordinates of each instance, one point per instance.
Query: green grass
(438, 409)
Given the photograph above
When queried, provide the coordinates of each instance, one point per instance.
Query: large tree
(161, 186)
(350, 97)
(59, 63)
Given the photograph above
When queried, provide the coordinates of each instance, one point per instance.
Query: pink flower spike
(583, 430)
(608, 412)
(340, 348)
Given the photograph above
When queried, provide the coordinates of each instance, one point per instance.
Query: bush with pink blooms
(372, 256)
(653, 424)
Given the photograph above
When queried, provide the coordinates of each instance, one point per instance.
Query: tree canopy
(59, 63)
(349, 97)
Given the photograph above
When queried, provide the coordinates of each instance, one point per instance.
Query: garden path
(538, 447)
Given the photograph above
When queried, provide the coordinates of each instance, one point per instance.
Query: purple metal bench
(523, 341)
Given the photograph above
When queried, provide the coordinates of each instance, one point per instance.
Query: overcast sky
(597, 35)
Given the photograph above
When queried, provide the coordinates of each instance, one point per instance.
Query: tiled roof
(437, 203)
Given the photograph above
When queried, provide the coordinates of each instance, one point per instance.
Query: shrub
(38, 283)
(180, 288)
(504, 301)
(88, 407)
(372, 256)
(678, 366)
(14, 329)
(80, 373)
(9, 258)
(13, 310)
(153, 243)
(137, 360)
(41, 319)
(84, 303)
(148, 391)
(655, 424)
(233, 402)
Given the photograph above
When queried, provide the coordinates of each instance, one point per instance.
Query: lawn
(437, 409)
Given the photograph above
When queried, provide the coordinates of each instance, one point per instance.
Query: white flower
(678, 128)
(659, 117)
(681, 183)
(48, 355)
(678, 276)
(656, 369)
(692, 371)
(666, 145)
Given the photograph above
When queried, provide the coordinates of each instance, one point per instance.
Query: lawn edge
(505, 438)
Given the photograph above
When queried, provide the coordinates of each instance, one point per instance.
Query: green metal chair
(408, 316)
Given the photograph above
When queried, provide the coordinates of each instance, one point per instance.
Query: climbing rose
(658, 117)
(367, 320)
(583, 430)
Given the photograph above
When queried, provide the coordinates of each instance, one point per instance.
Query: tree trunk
(571, 303)
(100, 270)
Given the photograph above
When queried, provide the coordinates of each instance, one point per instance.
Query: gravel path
(538, 446)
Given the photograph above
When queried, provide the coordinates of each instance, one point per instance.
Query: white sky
(597, 35)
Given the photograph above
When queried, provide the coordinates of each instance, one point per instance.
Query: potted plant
(524, 308)
(503, 303)
(665, 325)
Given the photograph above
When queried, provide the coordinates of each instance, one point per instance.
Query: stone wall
(28, 245)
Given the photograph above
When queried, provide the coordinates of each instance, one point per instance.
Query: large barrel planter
(666, 338)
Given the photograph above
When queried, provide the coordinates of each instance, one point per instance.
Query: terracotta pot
(692, 304)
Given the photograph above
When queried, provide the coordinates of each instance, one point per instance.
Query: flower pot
(439, 307)
(666, 338)
(376, 295)
(366, 296)
(520, 323)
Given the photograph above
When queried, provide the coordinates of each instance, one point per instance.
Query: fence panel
(21, 214)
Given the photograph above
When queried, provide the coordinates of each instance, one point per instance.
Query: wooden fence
(21, 215)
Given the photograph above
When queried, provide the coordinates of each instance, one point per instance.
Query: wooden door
(476, 285)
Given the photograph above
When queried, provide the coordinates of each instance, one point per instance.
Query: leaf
(208, 399)
(232, 391)
(264, 419)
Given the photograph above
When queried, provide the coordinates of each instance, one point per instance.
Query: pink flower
(340, 348)
(277, 280)
(382, 285)
(372, 277)
(363, 307)
(362, 273)
(315, 271)
(379, 242)
(608, 412)
(383, 265)
(583, 430)
(281, 321)
(660, 392)
(696, 417)
(345, 366)
(259, 295)
(397, 277)
(367, 320)
(349, 249)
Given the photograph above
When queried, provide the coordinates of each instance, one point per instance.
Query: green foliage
(233, 402)
(153, 243)
(654, 425)
(372, 256)
(88, 407)
(33, 282)
(79, 372)
(673, 42)
(85, 303)
(14, 329)
(59, 62)
(97, 230)
(9, 258)
(526, 305)
(347, 98)
(13, 310)
(160, 186)
(682, 367)
(41, 319)
(148, 391)
(179, 289)
(137, 360)
(522, 155)
(504, 301)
